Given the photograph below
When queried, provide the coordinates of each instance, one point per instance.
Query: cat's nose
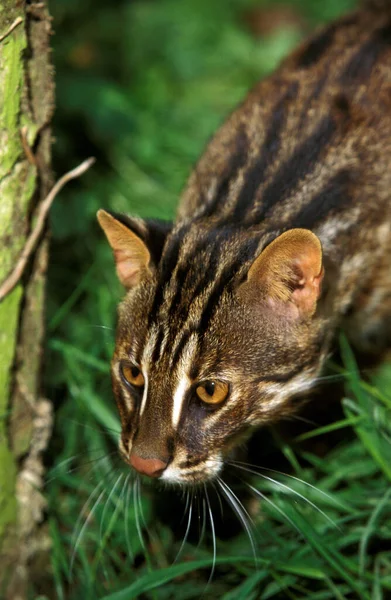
(153, 467)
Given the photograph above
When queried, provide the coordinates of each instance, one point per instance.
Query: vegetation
(142, 86)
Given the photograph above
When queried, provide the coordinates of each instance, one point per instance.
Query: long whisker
(203, 527)
(112, 491)
(323, 493)
(212, 527)
(118, 504)
(188, 525)
(90, 498)
(58, 469)
(284, 486)
(331, 378)
(59, 465)
(103, 430)
(302, 419)
(102, 327)
(219, 499)
(88, 518)
(129, 486)
(136, 488)
(236, 505)
(273, 504)
(187, 501)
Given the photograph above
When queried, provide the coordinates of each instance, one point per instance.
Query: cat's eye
(212, 392)
(132, 375)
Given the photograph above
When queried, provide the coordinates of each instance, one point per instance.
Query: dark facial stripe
(284, 377)
(334, 197)
(228, 274)
(177, 353)
(237, 160)
(213, 243)
(206, 275)
(180, 280)
(268, 153)
(167, 266)
(213, 299)
(296, 168)
(361, 64)
(156, 351)
(180, 302)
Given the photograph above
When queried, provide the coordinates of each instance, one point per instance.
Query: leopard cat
(282, 239)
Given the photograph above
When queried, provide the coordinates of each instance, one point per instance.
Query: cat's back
(311, 141)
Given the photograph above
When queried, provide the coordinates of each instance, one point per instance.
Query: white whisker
(219, 499)
(241, 514)
(273, 504)
(58, 469)
(129, 486)
(112, 491)
(87, 520)
(212, 527)
(136, 488)
(188, 525)
(202, 534)
(284, 486)
(325, 494)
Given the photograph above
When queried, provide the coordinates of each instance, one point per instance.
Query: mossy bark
(26, 104)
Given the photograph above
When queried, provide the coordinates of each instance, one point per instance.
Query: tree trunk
(26, 104)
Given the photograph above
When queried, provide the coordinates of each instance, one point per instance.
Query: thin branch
(26, 146)
(43, 210)
(17, 22)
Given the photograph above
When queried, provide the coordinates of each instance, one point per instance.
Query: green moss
(8, 506)
(17, 179)
(11, 84)
(9, 316)
(15, 192)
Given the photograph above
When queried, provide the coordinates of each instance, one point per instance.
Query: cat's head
(217, 332)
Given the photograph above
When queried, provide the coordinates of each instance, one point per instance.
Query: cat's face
(200, 360)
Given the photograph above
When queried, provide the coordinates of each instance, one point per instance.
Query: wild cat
(282, 238)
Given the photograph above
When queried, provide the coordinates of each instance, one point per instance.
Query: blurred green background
(142, 85)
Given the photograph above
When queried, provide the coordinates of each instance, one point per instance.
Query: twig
(17, 22)
(26, 146)
(43, 210)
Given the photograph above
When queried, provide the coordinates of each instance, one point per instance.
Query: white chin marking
(210, 469)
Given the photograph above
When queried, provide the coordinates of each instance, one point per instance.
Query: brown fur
(233, 291)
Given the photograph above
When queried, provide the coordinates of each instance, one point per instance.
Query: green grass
(324, 532)
(142, 86)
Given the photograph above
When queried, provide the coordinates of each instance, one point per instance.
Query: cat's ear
(288, 273)
(137, 244)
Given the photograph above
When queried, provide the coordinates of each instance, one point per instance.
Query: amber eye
(212, 392)
(132, 375)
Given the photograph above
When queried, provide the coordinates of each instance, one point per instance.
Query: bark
(26, 104)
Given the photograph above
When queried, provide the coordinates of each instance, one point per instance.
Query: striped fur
(309, 148)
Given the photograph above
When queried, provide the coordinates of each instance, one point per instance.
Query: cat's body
(221, 328)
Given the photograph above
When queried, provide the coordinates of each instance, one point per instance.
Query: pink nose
(153, 467)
